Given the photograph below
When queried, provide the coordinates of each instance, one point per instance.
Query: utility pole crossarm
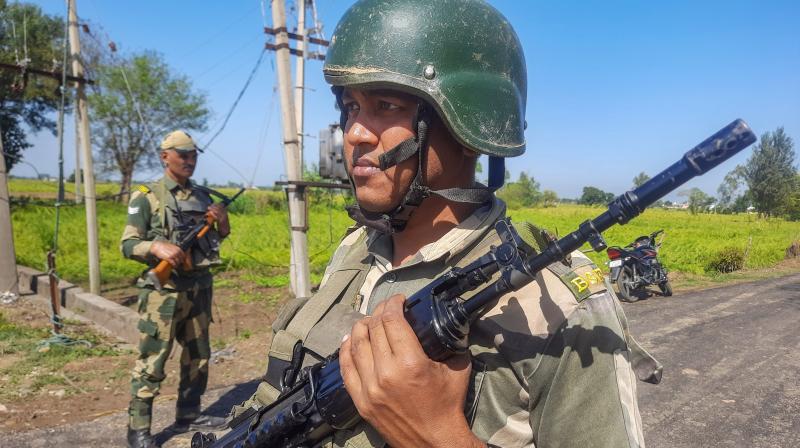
(295, 52)
(294, 36)
(58, 76)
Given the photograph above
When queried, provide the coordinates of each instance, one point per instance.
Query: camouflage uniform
(551, 363)
(182, 309)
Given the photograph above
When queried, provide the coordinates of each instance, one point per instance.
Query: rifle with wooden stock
(159, 275)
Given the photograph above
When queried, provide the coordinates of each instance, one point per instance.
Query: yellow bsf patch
(144, 189)
(587, 279)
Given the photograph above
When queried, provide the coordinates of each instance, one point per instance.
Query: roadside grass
(258, 249)
(31, 368)
(686, 281)
(690, 241)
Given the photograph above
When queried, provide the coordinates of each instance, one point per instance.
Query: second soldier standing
(158, 216)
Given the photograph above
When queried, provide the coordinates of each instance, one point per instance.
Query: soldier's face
(377, 121)
(180, 164)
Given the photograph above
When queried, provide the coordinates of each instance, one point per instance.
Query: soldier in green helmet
(424, 88)
(158, 215)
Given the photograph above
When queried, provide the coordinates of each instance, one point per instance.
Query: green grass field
(259, 243)
(41, 188)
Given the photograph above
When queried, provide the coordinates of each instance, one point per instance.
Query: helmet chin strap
(395, 220)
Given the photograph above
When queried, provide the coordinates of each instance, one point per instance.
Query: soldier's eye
(351, 107)
(385, 105)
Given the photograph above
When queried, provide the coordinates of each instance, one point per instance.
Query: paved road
(731, 360)
(731, 376)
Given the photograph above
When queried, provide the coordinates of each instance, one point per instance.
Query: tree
(770, 173)
(640, 179)
(126, 140)
(595, 196)
(549, 198)
(793, 209)
(729, 189)
(31, 38)
(522, 193)
(699, 201)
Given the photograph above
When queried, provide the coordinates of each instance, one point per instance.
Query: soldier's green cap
(461, 56)
(179, 141)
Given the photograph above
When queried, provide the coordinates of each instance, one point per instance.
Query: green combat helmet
(461, 57)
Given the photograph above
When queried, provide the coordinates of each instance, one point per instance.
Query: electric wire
(263, 135)
(222, 31)
(57, 337)
(207, 145)
(238, 50)
(238, 98)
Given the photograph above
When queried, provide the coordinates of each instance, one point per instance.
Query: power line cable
(221, 32)
(207, 145)
(228, 56)
(263, 135)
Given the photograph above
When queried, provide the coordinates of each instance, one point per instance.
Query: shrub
(726, 260)
(793, 251)
(258, 203)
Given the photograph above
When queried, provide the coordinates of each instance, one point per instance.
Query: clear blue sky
(614, 87)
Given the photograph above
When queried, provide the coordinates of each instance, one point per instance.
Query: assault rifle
(159, 275)
(316, 403)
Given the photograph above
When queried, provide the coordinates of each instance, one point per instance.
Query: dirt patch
(89, 387)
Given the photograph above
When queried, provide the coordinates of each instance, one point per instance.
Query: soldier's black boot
(140, 438)
(202, 422)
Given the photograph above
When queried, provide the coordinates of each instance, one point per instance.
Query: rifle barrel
(697, 161)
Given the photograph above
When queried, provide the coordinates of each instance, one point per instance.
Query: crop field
(259, 244)
(690, 242)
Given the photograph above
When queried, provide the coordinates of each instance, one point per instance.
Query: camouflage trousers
(165, 317)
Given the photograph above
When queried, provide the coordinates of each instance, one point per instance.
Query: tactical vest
(179, 216)
(176, 217)
(317, 325)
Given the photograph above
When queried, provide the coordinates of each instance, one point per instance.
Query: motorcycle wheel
(626, 293)
(666, 288)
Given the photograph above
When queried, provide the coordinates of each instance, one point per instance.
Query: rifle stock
(318, 403)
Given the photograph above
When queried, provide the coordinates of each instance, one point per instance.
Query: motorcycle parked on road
(636, 266)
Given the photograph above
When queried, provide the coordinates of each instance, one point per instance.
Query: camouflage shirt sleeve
(139, 232)
(589, 393)
(554, 366)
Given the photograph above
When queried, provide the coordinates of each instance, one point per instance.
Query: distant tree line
(769, 181)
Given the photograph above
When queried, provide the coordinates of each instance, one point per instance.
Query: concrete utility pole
(8, 258)
(300, 67)
(82, 121)
(299, 272)
(78, 194)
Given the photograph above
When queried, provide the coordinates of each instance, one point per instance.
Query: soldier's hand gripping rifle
(316, 403)
(159, 275)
